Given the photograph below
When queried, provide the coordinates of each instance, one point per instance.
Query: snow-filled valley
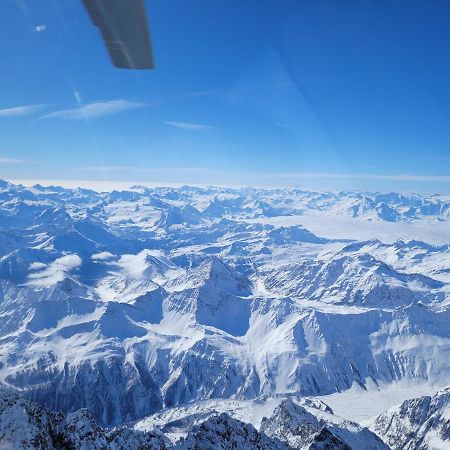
(218, 317)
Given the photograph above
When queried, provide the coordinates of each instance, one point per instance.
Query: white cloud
(283, 125)
(37, 266)
(187, 125)
(269, 176)
(113, 169)
(94, 110)
(14, 161)
(48, 275)
(364, 176)
(235, 91)
(20, 110)
(102, 256)
(154, 170)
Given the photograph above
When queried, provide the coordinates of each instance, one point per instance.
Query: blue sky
(320, 94)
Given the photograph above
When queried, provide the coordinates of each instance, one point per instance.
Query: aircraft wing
(124, 29)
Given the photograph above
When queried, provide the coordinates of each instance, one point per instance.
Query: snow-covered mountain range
(132, 303)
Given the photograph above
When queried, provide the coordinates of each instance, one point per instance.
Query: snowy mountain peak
(219, 274)
(306, 427)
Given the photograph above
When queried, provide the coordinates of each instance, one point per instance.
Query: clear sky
(322, 94)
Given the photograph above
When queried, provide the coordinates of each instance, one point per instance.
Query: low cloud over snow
(48, 275)
(102, 256)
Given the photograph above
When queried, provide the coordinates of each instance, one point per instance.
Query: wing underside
(124, 29)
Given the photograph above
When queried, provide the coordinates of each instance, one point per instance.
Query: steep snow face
(421, 423)
(128, 302)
